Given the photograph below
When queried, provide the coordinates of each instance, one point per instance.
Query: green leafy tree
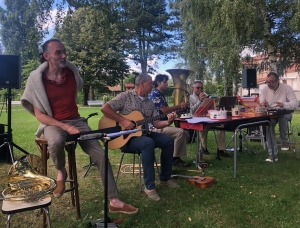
(149, 31)
(94, 45)
(27, 69)
(208, 50)
(220, 30)
(22, 26)
(130, 79)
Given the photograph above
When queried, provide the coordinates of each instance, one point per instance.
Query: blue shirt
(158, 99)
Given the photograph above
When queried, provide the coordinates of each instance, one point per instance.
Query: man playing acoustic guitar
(137, 100)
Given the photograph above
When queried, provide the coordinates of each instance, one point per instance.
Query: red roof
(115, 88)
(129, 85)
(261, 80)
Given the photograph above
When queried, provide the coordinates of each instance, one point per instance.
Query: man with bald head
(137, 100)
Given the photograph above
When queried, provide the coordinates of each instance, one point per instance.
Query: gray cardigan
(35, 94)
(194, 102)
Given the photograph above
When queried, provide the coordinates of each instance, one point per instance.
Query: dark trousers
(147, 145)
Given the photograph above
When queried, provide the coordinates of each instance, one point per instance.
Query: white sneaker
(270, 158)
(285, 146)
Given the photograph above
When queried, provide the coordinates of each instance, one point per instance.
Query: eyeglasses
(59, 52)
(270, 82)
(199, 88)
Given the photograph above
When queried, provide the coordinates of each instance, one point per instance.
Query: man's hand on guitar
(128, 124)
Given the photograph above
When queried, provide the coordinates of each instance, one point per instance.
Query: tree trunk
(85, 95)
(271, 49)
(92, 94)
(234, 85)
(144, 65)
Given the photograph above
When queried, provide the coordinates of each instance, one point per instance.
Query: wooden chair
(10, 207)
(70, 147)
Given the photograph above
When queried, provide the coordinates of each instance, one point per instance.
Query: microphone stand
(8, 140)
(105, 135)
(113, 133)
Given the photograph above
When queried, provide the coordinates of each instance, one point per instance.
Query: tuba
(179, 77)
(25, 181)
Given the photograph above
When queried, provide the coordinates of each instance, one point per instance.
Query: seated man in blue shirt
(180, 136)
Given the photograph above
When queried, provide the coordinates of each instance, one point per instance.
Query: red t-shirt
(61, 96)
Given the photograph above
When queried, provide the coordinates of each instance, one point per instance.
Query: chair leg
(133, 164)
(262, 141)
(73, 175)
(140, 169)
(291, 138)
(8, 220)
(156, 165)
(47, 213)
(121, 160)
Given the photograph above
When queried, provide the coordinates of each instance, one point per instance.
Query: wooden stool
(11, 207)
(42, 145)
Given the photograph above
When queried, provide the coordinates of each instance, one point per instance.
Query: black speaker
(10, 71)
(249, 78)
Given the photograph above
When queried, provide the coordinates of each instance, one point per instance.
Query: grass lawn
(263, 194)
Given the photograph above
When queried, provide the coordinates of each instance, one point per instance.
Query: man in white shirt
(278, 95)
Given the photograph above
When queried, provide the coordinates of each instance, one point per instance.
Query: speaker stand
(248, 92)
(9, 141)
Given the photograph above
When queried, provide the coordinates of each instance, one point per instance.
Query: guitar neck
(151, 119)
(160, 117)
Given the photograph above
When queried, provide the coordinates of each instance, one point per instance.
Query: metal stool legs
(46, 211)
(291, 137)
(12, 207)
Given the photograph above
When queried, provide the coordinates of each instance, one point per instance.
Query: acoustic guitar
(138, 119)
(200, 182)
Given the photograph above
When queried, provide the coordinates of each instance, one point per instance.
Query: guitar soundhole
(125, 136)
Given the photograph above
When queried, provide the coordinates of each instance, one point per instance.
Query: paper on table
(200, 119)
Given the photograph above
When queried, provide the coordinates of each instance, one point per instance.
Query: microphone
(91, 136)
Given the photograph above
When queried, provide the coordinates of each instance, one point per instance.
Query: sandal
(126, 209)
(152, 195)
